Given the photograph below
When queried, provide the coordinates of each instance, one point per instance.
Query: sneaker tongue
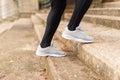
(52, 45)
(79, 28)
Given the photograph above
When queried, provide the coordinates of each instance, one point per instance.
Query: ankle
(71, 29)
(44, 46)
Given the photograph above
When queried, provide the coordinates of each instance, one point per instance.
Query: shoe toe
(89, 39)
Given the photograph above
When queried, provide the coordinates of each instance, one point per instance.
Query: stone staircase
(66, 68)
(97, 61)
(105, 15)
(108, 15)
(102, 57)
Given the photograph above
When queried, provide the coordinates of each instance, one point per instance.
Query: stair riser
(108, 12)
(111, 0)
(96, 65)
(103, 21)
(112, 5)
(116, 0)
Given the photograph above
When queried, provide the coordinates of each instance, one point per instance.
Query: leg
(72, 32)
(54, 17)
(81, 6)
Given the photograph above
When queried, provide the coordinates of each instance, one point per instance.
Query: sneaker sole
(49, 54)
(75, 39)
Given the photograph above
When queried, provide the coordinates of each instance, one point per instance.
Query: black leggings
(54, 17)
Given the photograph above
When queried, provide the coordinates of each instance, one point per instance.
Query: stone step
(17, 50)
(36, 20)
(69, 68)
(11, 18)
(43, 17)
(6, 26)
(110, 0)
(104, 11)
(69, 10)
(102, 56)
(108, 21)
(25, 15)
(116, 0)
(37, 23)
(66, 68)
(111, 4)
(25, 22)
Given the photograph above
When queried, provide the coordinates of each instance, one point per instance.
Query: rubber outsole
(75, 39)
(49, 54)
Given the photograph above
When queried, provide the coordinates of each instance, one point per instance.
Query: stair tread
(98, 16)
(108, 21)
(35, 20)
(6, 26)
(42, 16)
(69, 68)
(105, 17)
(112, 2)
(104, 54)
(104, 9)
(24, 21)
(106, 44)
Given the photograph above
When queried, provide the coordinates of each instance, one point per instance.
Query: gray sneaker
(49, 51)
(77, 35)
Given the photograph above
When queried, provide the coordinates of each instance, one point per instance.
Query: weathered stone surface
(24, 21)
(111, 4)
(109, 21)
(69, 68)
(102, 56)
(104, 11)
(7, 9)
(6, 26)
(17, 55)
(66, 68)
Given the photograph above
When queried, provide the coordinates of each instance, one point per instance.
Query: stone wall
(11, 8)
(28, 6)
(7, 8)
(0, 10)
